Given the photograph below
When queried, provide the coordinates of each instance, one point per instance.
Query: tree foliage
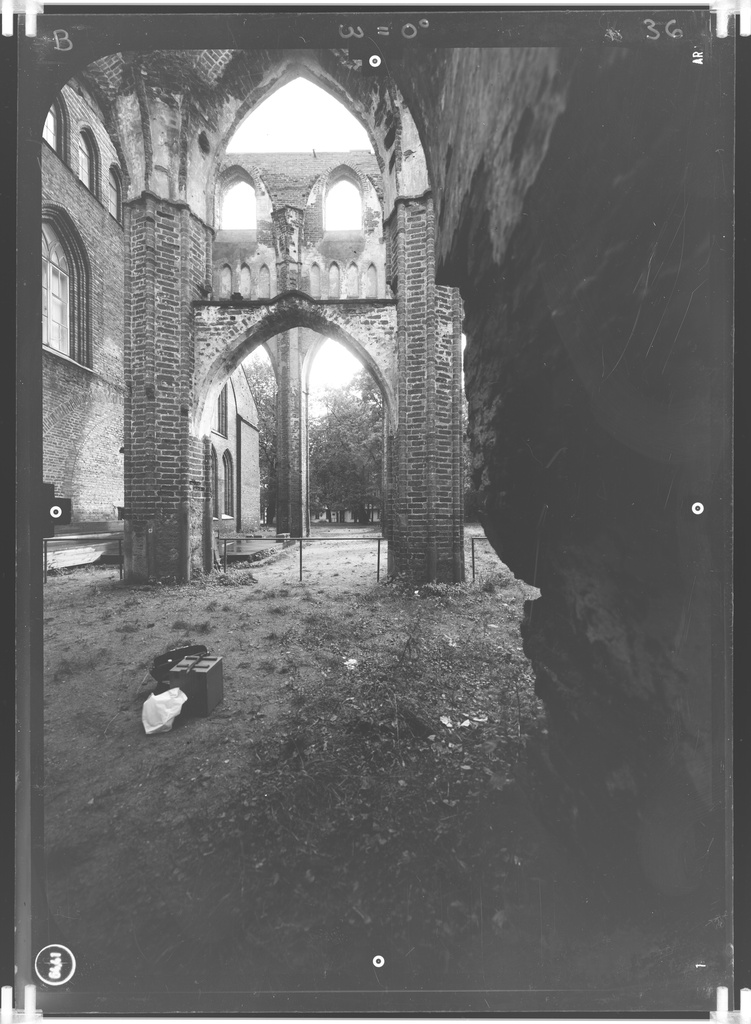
(262, 381)
(346, 449)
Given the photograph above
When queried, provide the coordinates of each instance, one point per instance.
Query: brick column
(428, 532)
(167, 254)
(287, 228)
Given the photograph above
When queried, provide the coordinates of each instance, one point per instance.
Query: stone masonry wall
(577, 223)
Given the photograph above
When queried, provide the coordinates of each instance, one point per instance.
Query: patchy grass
(362, 789)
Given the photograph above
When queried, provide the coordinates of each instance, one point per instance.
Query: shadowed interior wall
(577, 223)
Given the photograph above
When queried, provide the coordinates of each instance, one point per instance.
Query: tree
(262, 382)
(346, 449)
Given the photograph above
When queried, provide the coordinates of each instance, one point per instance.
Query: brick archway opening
(292, 328)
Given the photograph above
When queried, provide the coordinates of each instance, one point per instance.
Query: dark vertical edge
(30, 903)
(238, 470)
(721, 61)
(431, 329)
(458, 438)
(742, 660)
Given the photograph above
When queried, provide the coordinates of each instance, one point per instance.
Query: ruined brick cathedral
(161, 306)
(555, 205)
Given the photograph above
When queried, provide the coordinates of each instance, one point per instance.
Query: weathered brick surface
(83, 404)
(426, 527)
(290, 198)
(172, 254)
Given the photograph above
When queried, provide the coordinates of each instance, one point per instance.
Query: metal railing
(308, 540)
(80, 539)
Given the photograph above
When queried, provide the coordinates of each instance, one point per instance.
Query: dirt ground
(359, 792)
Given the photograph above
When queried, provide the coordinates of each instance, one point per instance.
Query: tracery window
(115, 195)
(87, 161)
(55, 293)
(229, 489)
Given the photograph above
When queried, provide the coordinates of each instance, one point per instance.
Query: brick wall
(241, 442)
(83, 406)
(299, 182)
(167, 259)
(426, 526)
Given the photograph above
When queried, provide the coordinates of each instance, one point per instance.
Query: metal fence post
(473, 558)
(120, 554)
(301, 559)
(378, 564)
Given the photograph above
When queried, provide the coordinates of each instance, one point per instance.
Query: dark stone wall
(598, 413)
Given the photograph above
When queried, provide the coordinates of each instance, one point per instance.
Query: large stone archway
(174, 368)
(227, 332)
(292, 326)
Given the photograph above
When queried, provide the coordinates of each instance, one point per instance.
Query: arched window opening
(343, 208)
(245, 281)
(239, 208)
(220, 415)
(229, 489)
(264, 283)
(261, 379)
(55, 293)
(225, 282)
(353, 284)
(334, 282)
(345, 436)
(87, 161)
(297, 118)
(315, 281)
(372, 283)
(51, 132)
(115, 195)
(214, 484)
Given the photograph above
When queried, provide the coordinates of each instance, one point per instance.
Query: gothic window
(55, 293)
(372, 283)
(115, 195)
(87, 161)
(353, 285)
(334, 282)
(343, 207)
(245, 281)
(229, 490)
(264, 283)
(239, 208)
(51, 133)
(225, 282)
(214, 484)
(220, 416)
(315, 281)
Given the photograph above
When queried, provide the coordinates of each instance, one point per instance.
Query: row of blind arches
(86, 161)
(263, 290)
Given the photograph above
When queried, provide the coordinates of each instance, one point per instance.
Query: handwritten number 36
(654, 32)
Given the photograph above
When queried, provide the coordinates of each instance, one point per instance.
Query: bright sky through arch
(298, 118)
(334, 366)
